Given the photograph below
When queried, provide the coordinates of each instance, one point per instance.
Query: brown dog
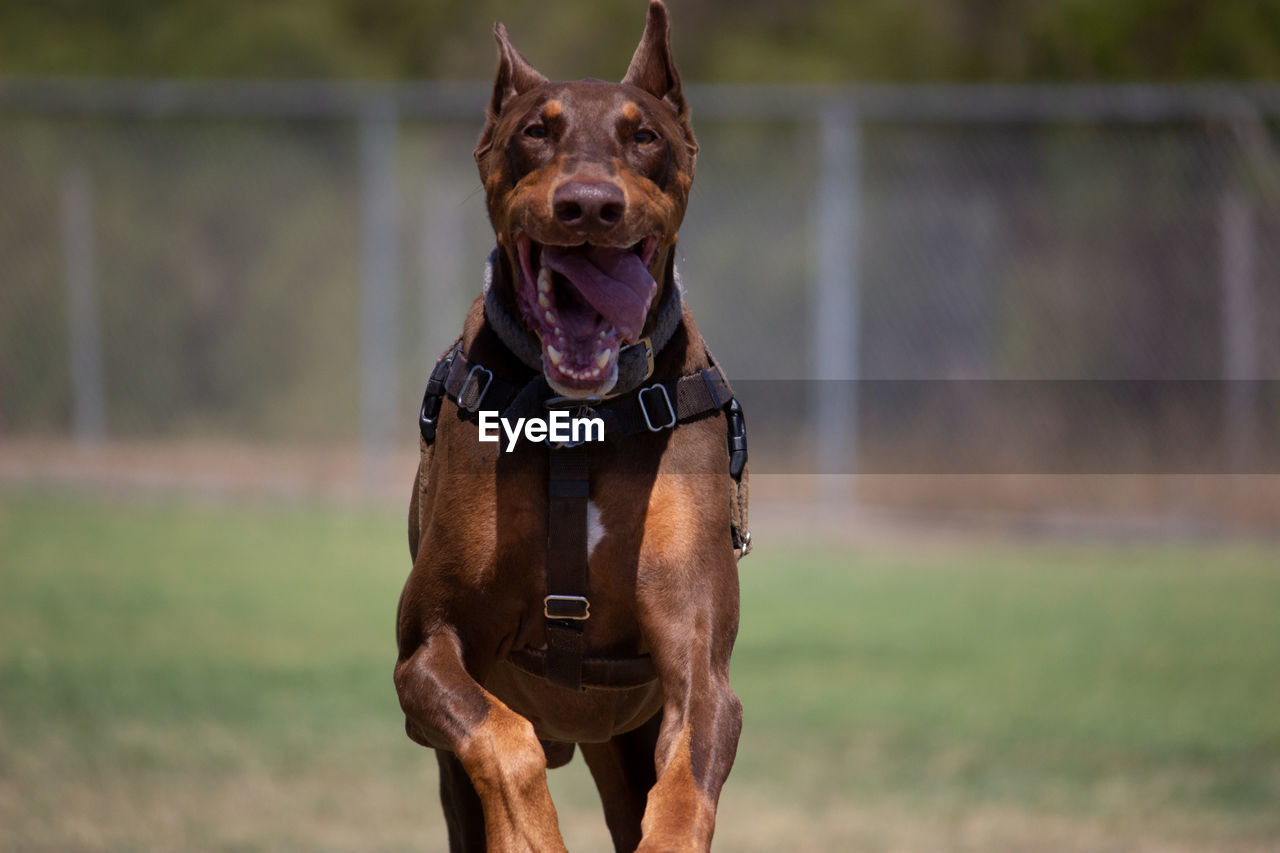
(584, 594)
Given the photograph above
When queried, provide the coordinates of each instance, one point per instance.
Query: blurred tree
(716, 40)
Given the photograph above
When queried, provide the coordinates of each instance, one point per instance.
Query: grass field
(215, 676)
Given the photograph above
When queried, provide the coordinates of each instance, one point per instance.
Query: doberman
(585, 594)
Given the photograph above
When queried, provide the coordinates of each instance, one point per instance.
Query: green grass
(219, 676)
(1033, 675)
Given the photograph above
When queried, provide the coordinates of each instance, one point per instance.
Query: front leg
(691, 620)
(447, 709)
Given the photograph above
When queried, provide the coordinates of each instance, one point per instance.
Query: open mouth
(584, 302)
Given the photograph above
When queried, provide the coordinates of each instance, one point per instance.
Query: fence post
(379, 279)
(835, 301)
(1240, 343)
(84, 335)
(440, 260)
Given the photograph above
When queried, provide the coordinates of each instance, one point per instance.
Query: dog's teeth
(543, 300)
(550, 318)
(602, 358)
(601, 336)
(555, 354)
(544, 280)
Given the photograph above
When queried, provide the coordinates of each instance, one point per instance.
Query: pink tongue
(613, 281)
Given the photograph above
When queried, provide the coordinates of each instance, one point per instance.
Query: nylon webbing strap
(613, 673)
(566, 606)
(657, 405)
(473, 386)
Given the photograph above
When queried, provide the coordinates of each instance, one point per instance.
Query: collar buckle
(647, 343)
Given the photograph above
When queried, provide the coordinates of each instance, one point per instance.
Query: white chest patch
(595, 528)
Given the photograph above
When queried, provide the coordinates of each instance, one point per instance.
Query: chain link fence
(899, 279)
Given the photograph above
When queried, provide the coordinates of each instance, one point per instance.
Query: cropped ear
(653, 70)
(515, 77)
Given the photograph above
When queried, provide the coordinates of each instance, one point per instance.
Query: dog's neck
(634, 362)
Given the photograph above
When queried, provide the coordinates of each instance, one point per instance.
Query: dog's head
(587, 184)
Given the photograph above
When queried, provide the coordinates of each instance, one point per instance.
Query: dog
(568, 592)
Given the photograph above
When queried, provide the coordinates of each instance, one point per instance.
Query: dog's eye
(645, 136)
(536, 131)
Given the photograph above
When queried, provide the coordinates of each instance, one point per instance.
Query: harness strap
(472, 385)
(620, 673)
(566, 605)
(653, 408)
(662, 405)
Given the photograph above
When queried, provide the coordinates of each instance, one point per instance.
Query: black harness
(654, 407)
(650, 408)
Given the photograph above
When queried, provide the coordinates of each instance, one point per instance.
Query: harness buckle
(429, 413)
(473, 375)
(737, 438)
(570, 607)
(666, 401)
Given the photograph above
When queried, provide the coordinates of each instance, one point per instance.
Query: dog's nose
(589, 206)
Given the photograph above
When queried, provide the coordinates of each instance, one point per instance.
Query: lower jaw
(579, 387)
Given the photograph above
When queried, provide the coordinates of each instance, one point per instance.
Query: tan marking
(631, 112)
(551, 109)
(678, 814)
(509, 770)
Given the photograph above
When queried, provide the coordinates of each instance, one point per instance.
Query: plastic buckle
(429, 413)
(570, 607)
(737, 438)
(427, 417)
(472, 375)
(666, 401)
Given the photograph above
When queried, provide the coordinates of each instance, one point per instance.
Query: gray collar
(635, 362)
